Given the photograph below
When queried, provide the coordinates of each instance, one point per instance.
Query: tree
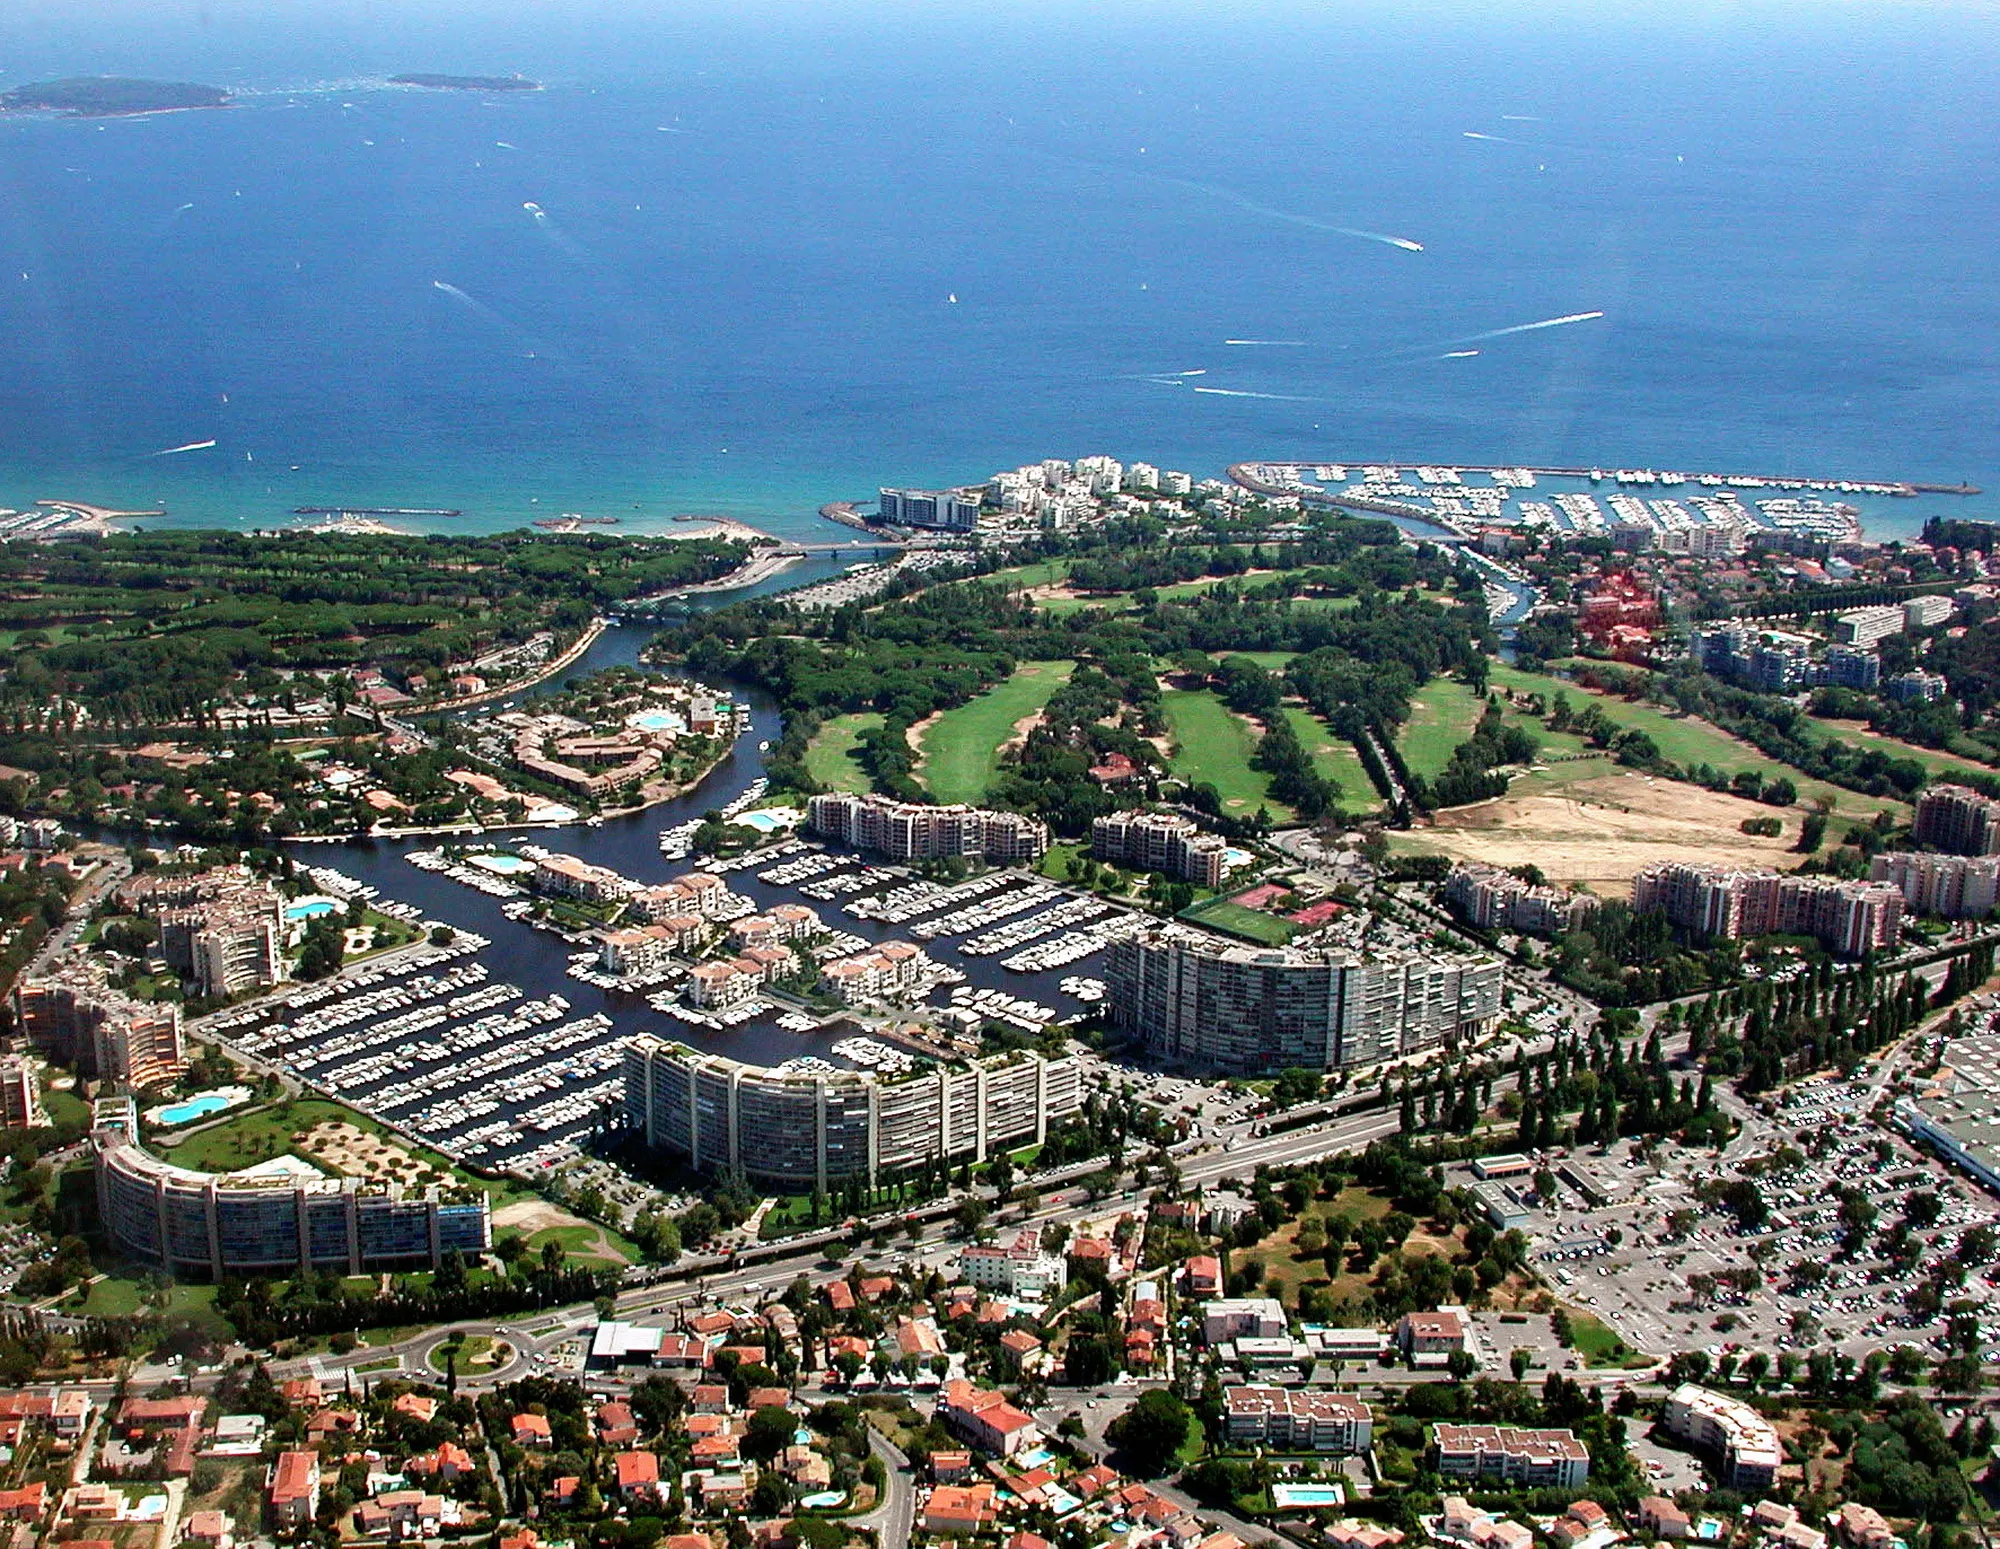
(768, 1433)
(1151, 1433)
(1519, 1362)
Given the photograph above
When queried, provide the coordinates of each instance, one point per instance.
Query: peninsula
(110, 96)
(467, 82)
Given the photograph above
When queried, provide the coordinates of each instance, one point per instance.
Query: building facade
(1957, 820)
(74, 1016)
(808, 1131)
(1248, 1010)
(1958, 887)
(1727, 903)
(947, 510)
(1161, 841)
(270, 1222)
(1295, 1420)
(1491, 899)
(1745, 1443)
(908, 831)
(1504, 1455)
(20, 1099)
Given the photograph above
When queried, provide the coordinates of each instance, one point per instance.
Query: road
(893, 1518)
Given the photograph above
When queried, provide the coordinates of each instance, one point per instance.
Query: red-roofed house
(532, 1430)
(985, 1418)
(638, 1475)
(959, 1509)
(294, 1485)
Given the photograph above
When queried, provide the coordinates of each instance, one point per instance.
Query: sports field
(961, 748)
(1213, 745)
(830, 755)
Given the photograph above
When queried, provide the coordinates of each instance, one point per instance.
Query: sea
(747, 259)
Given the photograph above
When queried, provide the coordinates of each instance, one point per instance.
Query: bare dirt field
(1602, 831)
(358, 1154)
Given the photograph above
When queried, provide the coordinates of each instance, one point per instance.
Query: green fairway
(1213, 745)
(830, 755)
(961, 749)
(1686, 741)
(1941, 766)
(1335, 761)
(1045, 572)
(1442, 716)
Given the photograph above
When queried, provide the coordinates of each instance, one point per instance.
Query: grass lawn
(962, 747)
(587, 1242)
(1252, 924)
(830, 755)
(1441, 717)
(1214, 745)
(113, 1298)
(65, 1108)
(1593, 1339)
(1334, 760)
(1687, 741)
(1270, 661)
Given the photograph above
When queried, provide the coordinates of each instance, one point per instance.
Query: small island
(467, 82)
(110, 96)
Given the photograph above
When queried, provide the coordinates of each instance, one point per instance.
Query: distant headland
(467, 82)
(110, 96)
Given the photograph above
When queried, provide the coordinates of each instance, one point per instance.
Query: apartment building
(1251, 1010)
(805, 1130)
(77, 1018)
(1745, 1443)
(1957, 820)
(1850, 918)
(1161, 841)
(1957, 887)
(1507, 1456)
(906, 831)
(1295, 1420)
(1488, 898)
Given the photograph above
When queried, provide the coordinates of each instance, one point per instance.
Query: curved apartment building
(1244, 1010)
(274, 1222)
(811, 1130)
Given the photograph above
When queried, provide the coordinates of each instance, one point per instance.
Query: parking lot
(1757, 1248)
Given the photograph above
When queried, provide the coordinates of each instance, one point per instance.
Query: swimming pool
(767, 820)
(309, 908)
(657, 720)
(823, 1499)
(1293, 1497)
(199, 1106)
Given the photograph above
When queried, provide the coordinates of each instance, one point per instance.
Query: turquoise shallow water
(747, 262)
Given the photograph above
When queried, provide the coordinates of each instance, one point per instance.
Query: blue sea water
(713, 267)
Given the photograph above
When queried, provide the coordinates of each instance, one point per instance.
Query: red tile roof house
(986, 1419)
(294, 1485)
(616, 1425)
(1204, 1275)
(959, 1509)
(638, 1475)
(532, 1430)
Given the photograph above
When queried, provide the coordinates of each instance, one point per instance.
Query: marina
(501, 1046)
(1676, 511)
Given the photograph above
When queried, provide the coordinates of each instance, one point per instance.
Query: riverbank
(560, 664)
